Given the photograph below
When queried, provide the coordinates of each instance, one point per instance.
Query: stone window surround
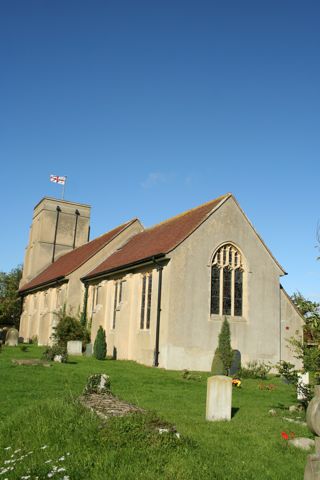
(240, 263)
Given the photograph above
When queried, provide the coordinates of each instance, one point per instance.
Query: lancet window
(227, 282)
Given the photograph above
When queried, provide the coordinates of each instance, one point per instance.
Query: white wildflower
(44, 446)
(48, 461)
(61, 470)
(68, 453)
(18, 450)
(7, 448)
(61, 459)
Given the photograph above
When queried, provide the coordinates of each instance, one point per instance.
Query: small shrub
(288, 372)
(23, 348)
(217, 367)
(255, 369)
(100, 345)
(34, 340)
(69, 328)
(56, 350)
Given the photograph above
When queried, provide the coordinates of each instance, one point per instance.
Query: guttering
(137, 264)
(156, 347)
(43, 284)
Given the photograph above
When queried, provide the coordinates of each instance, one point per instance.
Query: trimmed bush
(224, 346)
(69, 328)
(100, 345)
(217, 367)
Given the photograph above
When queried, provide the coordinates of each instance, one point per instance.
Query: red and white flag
(57, 179)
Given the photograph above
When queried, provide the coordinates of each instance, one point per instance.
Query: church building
(160, 293)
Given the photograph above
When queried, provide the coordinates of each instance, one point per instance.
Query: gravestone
(89, 350)
(219, 398)
(303, 381)
(74, 347)
(12, 337)
(312, 470)
(236, 362)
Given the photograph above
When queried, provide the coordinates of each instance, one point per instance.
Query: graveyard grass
(39, 408)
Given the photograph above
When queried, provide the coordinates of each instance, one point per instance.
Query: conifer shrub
(100, 345)
(217, 367)
(224, 346)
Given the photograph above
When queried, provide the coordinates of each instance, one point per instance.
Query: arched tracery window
(227, 282)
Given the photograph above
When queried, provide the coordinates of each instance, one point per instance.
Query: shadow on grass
(234, 411)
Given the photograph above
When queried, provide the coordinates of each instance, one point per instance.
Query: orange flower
(284, 435)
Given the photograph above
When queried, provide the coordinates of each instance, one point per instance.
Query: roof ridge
(125, 224)
(175, 217)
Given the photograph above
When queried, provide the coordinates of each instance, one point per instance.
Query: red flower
(284, 435)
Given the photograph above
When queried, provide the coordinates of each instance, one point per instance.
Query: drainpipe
(156, 347)
(55, 233)
(75, 229)
(88, 234)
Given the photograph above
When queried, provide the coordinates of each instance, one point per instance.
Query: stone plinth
(219, 398)
(74, 347)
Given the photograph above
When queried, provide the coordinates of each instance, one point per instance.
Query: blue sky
(151, 108)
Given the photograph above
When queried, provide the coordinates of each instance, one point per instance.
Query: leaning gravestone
(12, 337)
(74, 347)
(219, 398)
(312, 470)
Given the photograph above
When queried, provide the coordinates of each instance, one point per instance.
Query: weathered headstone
(312, 470)
(74, 347)
(236, 362)
(219, 398)
(89, 350)
(12, 337)
(303, 381)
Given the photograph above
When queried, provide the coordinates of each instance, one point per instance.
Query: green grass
(38, 407)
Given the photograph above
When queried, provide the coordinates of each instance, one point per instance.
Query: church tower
(58, 226)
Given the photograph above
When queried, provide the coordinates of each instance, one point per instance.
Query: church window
(146, 296)
(118, 297)
(227, 282)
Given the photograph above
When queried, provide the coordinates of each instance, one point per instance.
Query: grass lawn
(41, 421)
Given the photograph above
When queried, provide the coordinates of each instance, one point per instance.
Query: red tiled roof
(69, 262)
(161, 238)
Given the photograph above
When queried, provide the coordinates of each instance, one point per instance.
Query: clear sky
(153, 107)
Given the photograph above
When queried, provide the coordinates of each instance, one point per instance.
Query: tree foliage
(10, 302)
(100, 345)
(311, 312)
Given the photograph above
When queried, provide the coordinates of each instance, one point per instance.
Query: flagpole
(63, 187)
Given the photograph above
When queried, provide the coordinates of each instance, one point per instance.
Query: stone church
(160, 293)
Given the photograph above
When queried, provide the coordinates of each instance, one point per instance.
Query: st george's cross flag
(57, 179)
